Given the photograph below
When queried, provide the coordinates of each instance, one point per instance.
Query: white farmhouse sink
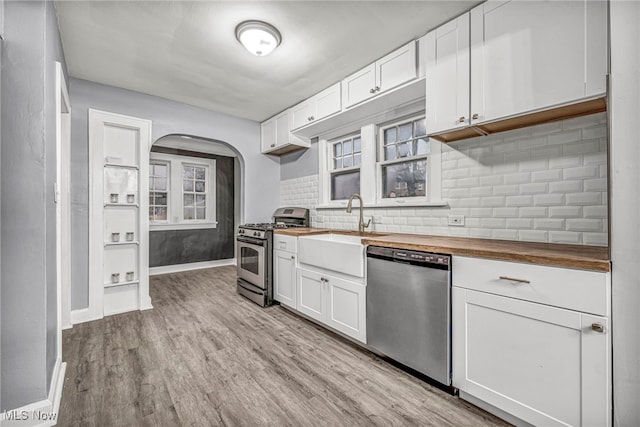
(337, 252)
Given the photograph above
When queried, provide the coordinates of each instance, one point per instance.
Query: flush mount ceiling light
(258, 37)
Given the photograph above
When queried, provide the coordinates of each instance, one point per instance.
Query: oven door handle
(252, 241)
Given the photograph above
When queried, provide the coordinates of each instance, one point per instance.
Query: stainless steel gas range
(255, 253)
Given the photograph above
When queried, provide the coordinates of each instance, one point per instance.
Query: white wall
(546, 183)
(262, 173)
(625, 208)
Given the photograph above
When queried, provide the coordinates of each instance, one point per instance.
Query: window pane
(200, 173)
(337, 149)
(187, 185)
(161, 214)
(404, 179)
(160, 170)
(189, 213)
(404, 149)
(199, 186)
(421, 127)
(188, 172)
(405, 131)
(346, 145)
(421, 146)
(344, 185)
(161, 199)
(151, 198)
(200, 213)
(337, 163)
(201, 200)
(151, 181)
(390, 136)
(346, 162)
(151, 218)
(188, 200)
(390, 152)
(356, 145)
(160, 184)
(356, 159)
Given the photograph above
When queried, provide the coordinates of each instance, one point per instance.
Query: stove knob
(241, 231)
(255, 233)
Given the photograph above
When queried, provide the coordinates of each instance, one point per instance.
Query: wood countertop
(557, 255)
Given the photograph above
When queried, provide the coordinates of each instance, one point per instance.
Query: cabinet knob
(312, 118)
(377, 88)
(475, 116)
(292, 257)
(308, 118)
(597, 327)
(372, 91)
(273, 145)
(461, 119)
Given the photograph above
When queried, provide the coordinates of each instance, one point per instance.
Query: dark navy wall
(173, 247)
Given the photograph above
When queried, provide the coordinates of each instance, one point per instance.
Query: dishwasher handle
(425, 259)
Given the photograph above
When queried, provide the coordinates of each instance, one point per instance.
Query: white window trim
(371, 172)
(175, 212)
(326, 169)
(168, 190)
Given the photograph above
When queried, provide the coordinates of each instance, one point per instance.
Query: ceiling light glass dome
(258, 37)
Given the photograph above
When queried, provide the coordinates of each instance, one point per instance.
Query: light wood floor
(205, 356)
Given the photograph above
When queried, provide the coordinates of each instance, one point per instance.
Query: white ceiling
(187, 51)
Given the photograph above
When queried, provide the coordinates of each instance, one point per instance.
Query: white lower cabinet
(545, 365)
(284, 273)
(336, 302)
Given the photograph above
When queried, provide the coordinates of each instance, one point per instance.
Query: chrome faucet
(361, 224)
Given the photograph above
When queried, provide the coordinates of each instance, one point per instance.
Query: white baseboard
(43, 413)
(82, 315)
(165, 269)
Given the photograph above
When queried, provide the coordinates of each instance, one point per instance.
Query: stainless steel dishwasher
(409, 309)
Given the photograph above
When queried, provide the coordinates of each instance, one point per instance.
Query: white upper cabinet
(510, 59)
(527, 56)
(396, 68)
(268, 135)
(446, 52)
(276, 136)
(359, 86)
(317, 107)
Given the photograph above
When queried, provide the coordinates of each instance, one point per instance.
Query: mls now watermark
(22, 415)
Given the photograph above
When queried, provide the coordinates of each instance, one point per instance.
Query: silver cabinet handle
(312, 118)
(323, 279)
(273, 145)
(377, 88)
(461, 119)
(597, 327)
(513, 279)
(372, 91)
(475, 116)
(292, 257)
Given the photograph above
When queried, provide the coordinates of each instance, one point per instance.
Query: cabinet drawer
(586, 291)
(285, 243)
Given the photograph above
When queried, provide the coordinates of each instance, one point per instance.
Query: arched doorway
(195, 203)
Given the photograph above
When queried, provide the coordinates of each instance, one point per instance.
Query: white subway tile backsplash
(546, 183)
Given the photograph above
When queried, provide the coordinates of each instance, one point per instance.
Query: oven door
(252, 260)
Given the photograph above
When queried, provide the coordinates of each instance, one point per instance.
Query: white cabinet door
(542, 364)
(268, 135)
(327, 102)
(282, 129)
(302, 113)
(447, 76)
(528, 56)
(396, 68)
(310, 298)
(284, 274)
(359, 86)
(346, 308)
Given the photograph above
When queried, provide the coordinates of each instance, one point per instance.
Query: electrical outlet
(456, 220)
(376, 219)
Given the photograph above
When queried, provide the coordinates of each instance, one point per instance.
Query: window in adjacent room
(181, 192)
(158, 191)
